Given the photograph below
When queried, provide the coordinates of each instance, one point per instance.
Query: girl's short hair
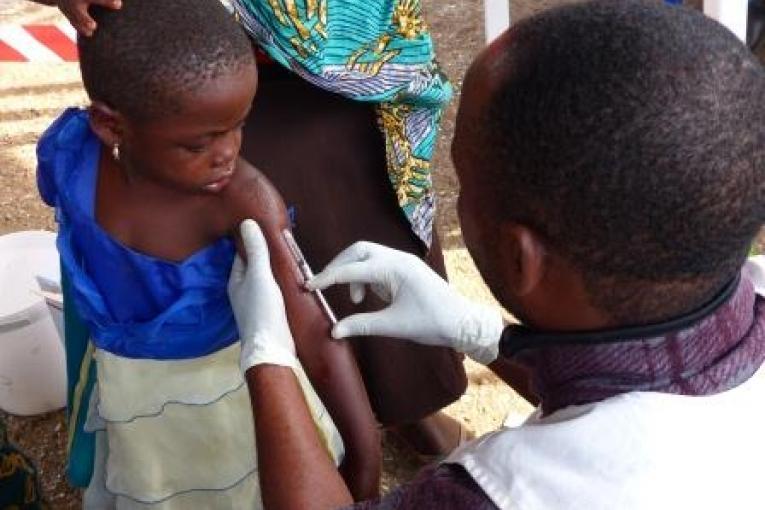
(144, 56)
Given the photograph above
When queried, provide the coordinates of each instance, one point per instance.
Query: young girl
(354, 85)
(148, 189)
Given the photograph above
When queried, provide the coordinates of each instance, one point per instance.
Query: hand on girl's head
(76, 12)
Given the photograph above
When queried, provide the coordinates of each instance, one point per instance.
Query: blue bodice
(135, 305)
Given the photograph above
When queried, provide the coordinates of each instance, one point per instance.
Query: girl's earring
(116, 152)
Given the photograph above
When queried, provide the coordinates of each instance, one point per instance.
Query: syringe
(305, 271)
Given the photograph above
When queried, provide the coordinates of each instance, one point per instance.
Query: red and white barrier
(38, 43)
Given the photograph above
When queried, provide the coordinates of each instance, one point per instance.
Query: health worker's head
(611, 157)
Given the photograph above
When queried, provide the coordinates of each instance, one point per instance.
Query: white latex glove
(423, 308)
(259, 306)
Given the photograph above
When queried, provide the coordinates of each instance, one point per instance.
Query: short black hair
(144, 55)
(631, 136)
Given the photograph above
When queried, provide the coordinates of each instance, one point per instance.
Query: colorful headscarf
(377, 51)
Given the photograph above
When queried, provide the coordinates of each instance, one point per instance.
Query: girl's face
(196, 149)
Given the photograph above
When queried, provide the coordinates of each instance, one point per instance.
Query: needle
(305, 271)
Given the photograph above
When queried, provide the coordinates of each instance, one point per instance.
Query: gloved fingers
(367, 324)
(358, 292)
(255, 245)
(352, 272)
(357, 252)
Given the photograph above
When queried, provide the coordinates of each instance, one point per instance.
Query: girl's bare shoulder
(251, 195)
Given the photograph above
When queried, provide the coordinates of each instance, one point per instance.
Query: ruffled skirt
(179, 434)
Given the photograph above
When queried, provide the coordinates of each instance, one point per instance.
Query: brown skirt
(326, 156)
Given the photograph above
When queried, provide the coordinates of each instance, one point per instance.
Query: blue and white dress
(168, 406)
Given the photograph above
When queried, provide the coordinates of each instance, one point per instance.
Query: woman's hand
(76, 12)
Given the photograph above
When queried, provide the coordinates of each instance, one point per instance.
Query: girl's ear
(108, 124)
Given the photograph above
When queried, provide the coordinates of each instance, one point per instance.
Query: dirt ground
(31, 95)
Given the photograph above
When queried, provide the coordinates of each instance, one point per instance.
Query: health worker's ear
(524, 256)
(108, 124)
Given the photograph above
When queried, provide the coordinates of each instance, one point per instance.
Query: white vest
(647, 451)
(637, 451)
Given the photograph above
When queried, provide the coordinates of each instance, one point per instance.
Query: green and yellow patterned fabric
(377, 51)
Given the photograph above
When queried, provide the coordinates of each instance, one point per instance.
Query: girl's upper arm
(329, 364)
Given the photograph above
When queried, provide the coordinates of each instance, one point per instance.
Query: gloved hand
(259, 306)
(423, 308)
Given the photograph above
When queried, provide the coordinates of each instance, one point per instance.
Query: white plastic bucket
(32, 360)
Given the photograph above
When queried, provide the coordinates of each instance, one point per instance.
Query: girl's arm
(330, 364)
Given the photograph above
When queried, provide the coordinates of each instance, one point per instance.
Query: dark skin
(179, 186)
(537, 284)
(288, 443)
